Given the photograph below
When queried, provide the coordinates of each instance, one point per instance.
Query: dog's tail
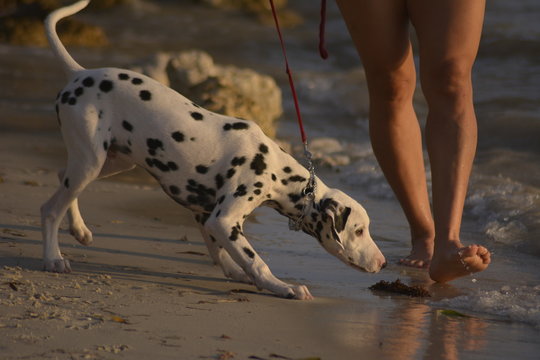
(70, 65)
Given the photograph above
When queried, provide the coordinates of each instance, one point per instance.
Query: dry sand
(145, 288)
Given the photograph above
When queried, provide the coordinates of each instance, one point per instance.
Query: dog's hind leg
(222, 258)
(84, 165)
(77, 227)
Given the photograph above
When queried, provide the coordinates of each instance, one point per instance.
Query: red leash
(289, 74)
(309, 190)
(322, 51)
(322, 26)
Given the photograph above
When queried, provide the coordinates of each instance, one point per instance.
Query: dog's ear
(337, 215)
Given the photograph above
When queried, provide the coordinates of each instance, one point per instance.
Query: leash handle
(322, 27)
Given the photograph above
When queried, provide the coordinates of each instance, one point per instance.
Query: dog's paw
(299, 292)
(57, 265)
(82, 234)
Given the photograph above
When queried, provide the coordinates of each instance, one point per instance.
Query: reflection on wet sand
(413, 329)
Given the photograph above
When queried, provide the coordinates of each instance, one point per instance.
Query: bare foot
(416, 261)
(421, 254)
(456, 261)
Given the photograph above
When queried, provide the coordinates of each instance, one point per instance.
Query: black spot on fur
(297, 178)
(295, 197)
(287, 169)
(238, 161)
(106, 85)
(79, 91)
(236, 126)
(178, 136)
(263, 148)
(249, 253)
(172, 166)
(100, 114)
(65, 97)
(219, 181)
(174, 190)
(88, 82)
(240, 191)
(160, 165)
(126, 125)
(284, 182)
(258, 165)
(230, 173)
(235, 231)
(72, 101)
(274, 177)
(153, 145)
(201, 195)
(257, 191)
(66, 183)
(258, 184)
(221, 199)
(136, 81)
(145, 95)
(105, 145)
(196, 115)
(250, 198)
(201, 169)
(123, 76)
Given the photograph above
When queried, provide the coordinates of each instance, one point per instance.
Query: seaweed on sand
(400, 288)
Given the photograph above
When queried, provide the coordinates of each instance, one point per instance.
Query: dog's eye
(359, 232)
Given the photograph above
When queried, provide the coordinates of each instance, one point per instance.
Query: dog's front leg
(222, 258)
(227, 231)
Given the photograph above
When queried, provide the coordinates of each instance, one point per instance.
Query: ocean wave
(518, 303)
(505, 211)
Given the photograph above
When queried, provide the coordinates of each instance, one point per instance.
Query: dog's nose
(384, 265)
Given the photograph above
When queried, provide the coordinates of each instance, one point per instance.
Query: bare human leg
(380, 31)
(449, 34)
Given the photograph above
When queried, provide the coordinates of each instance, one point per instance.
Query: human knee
(391, 86)
(449, 81)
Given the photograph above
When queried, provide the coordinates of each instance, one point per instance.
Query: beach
(146, 287)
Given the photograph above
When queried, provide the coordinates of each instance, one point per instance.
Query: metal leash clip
(308, 193)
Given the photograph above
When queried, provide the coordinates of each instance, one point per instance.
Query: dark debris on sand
(398, 287)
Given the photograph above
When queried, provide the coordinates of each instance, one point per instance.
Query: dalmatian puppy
(219, 167)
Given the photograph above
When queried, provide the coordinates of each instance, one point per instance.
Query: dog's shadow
(16, 240)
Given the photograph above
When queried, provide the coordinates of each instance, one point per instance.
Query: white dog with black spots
(219, 167)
